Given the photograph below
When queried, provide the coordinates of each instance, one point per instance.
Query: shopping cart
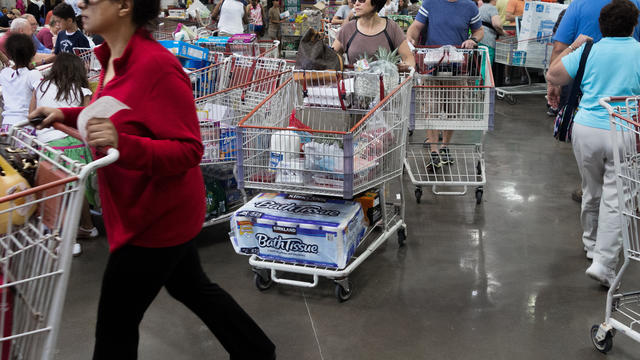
(331, 32)
(622, 311)
(36, 253)
(453, 90)
(91, 62)
(243, 69)
(219, 114)
(348, 138)
(162, 35)
(207, 80)
(526, 54)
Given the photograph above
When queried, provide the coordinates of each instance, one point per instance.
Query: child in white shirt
(18, 81)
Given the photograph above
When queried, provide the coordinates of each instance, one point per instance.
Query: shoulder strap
(386, 34)
(583, 62)
(346, 48)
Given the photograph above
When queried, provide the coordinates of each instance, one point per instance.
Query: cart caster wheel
(410, 132)
(603, 346)
(343, 294)
(402, 237)
(479, 193)
(511, 99)
(418, 195)
(261, 283)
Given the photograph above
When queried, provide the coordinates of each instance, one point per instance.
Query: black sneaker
(436, 162)
(446, 156)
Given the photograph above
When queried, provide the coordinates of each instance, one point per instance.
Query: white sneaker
(77, 249)
(601, 273)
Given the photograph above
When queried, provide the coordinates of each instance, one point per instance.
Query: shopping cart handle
(57, 125)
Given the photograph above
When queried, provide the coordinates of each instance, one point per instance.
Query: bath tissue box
(301, 229)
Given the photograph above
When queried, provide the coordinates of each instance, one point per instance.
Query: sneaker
(87, 233)
(552, 111)
(77, 249)
(436, 162)
(601, 273)
(446, 156)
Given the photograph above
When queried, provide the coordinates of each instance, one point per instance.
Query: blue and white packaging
(301, 229)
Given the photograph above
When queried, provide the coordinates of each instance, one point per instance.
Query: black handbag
(564, 119)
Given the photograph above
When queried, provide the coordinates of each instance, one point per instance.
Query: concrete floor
(503, 280)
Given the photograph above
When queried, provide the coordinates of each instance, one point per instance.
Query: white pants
(600, 217)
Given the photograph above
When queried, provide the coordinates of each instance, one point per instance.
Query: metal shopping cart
(453, 90)
(622, 311)
(243, 69)
(91, 62)
(207, 80)
(527, 54)
(352, 140)
(35, 250)
(219, 115)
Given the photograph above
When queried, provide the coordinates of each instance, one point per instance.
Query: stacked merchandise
(298, 228)
(296, 26)
(222, 191)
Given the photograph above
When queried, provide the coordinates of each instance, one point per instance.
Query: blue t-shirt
(449, 22)
(582, 17)
(39, 47)
(611, 70)
(66, 42)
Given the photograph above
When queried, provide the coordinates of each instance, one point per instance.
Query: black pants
(132, 279)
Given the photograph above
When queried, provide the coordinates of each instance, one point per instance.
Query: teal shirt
(612, 69)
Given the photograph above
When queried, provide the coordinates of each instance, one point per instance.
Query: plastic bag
(198, 10)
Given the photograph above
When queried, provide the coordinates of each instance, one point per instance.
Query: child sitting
(18, 81)
(66, 85)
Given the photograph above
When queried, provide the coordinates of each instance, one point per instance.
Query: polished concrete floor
(503, 280)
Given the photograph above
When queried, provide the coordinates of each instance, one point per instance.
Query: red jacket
(153, 196)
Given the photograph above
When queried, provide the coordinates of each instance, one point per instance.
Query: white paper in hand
(104, 107)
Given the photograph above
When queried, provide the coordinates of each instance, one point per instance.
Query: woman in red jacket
(153, 197)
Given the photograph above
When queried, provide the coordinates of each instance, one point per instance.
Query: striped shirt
(449, 21)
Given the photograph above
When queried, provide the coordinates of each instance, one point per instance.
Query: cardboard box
(301, 229)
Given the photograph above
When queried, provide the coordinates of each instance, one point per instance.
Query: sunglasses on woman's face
(359, 1)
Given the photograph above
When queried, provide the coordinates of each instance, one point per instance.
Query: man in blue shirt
(34, 26)
(447, 22)
(581, 17)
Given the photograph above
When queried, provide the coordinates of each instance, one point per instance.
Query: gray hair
(18, 24)
(28, 16)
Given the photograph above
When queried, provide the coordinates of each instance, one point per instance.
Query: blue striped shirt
(449, 21)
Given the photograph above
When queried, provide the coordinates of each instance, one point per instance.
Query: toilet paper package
(298, 228)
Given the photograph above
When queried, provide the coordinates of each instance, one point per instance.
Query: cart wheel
(479, 193)
(410, 132)
(261, 283)
(402, 236)
(418, 195)
(511, 99)
(342, 294)
(603, 346)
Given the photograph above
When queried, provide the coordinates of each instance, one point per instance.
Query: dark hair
(378, 4)
(69, 74)
(486, 1)
(20, 49)
(145, 12)
(618, 18)
(64, 11)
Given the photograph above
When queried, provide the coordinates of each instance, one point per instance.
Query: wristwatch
(473, 39)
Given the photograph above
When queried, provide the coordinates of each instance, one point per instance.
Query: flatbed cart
(527, 54)
(346, 110)
(38, 227)
(453, 90)
(622, 310)
(228, 107)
